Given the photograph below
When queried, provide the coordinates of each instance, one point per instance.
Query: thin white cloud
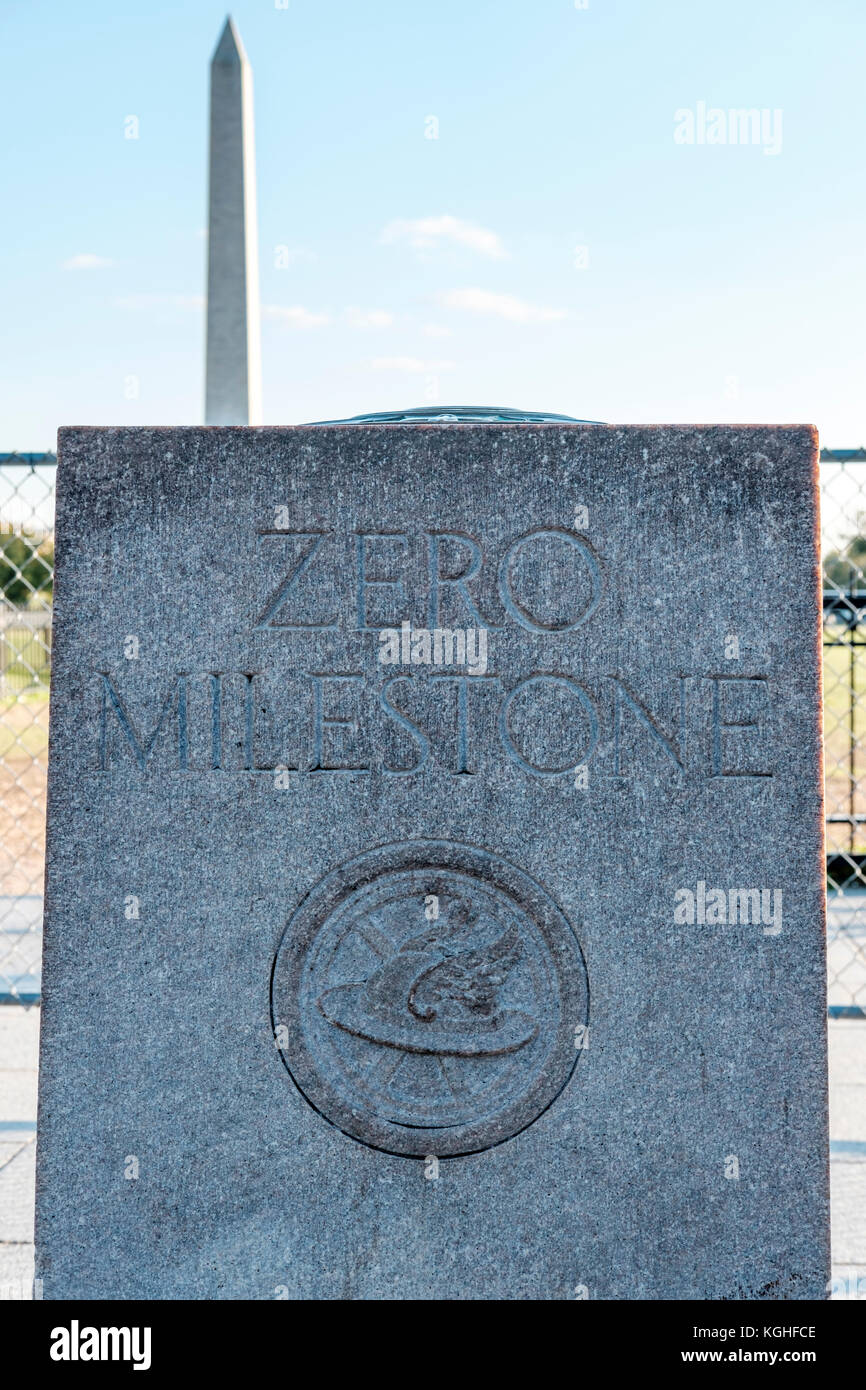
(504, 306)
(369, 318)
(295, 315)
(436, 330)
(411, 365)
(195, 302)
(285, 255)
(86, 260)
(429, 233)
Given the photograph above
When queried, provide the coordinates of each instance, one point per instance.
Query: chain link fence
(26, 571)
(26, 575)
(843, 510)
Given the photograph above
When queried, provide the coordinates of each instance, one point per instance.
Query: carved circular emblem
(426, 997)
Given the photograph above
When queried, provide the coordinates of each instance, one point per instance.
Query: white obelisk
(233, 389)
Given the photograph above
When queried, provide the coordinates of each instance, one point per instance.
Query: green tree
(26, 569)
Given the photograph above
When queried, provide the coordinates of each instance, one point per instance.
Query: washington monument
(233, 389)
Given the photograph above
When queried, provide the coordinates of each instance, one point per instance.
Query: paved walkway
(19, 1052)
(848, 1155)
(19, 1040)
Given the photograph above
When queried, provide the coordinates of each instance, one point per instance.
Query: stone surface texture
(375, 980)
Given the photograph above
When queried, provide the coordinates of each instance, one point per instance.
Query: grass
(839, 688)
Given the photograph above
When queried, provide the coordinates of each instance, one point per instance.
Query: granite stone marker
(434, 899)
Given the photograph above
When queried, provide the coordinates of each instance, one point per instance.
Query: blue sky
(723, 283)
